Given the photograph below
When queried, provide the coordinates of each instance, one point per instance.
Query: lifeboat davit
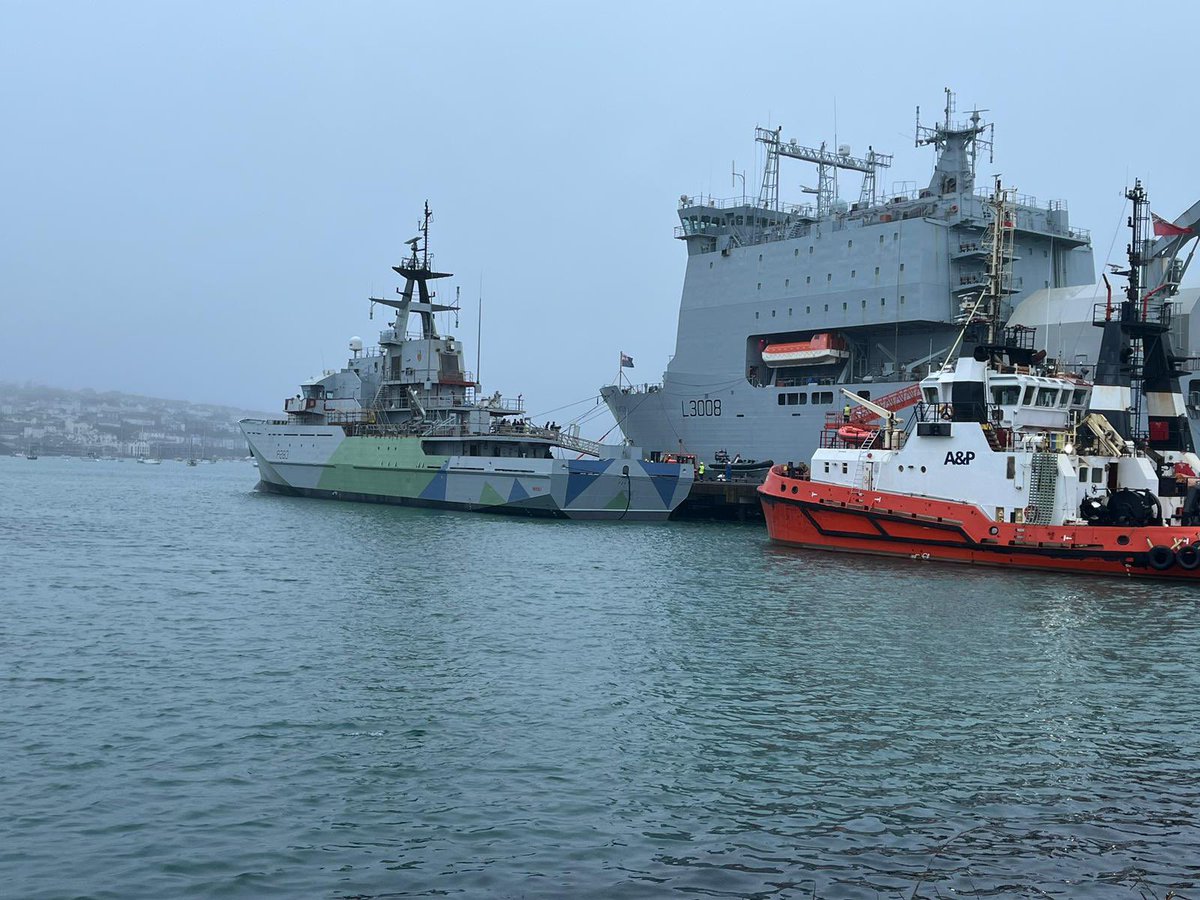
(821, 350)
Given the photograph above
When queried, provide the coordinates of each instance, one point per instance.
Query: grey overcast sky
(199, 197)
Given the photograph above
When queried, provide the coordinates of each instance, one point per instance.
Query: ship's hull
(821, 516)
(322, 461)
(739, 419)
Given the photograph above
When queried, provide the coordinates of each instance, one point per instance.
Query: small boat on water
(1010, 461)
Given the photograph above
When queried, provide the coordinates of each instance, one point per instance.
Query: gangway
(893, 402)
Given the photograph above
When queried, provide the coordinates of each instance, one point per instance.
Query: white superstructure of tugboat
(406, 424)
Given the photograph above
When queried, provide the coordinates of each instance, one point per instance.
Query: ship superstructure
(406, 423)
(886, 281)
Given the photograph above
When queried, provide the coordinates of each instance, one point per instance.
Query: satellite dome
(356, 344)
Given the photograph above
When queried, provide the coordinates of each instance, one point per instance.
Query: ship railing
(568, 439)
(647, 388)
(350, 417)
(502, 405)
(1148, 312)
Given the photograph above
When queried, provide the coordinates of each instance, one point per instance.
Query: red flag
(1163, 228)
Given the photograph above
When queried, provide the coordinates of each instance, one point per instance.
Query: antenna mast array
(969, 134)
(827, 165)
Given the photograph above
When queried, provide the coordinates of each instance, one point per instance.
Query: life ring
(1188, 556)
(1161, 558)
(947, 411)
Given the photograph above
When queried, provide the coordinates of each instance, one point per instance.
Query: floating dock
(735, 501)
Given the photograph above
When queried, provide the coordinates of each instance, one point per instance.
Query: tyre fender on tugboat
(1188, 556)
(1161, 558)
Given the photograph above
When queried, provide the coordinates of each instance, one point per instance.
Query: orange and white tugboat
(1008, 460)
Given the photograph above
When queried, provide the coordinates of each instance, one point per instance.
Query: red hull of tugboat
(822, 516)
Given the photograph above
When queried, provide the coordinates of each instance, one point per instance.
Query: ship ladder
(1043, 488)
(863, 469)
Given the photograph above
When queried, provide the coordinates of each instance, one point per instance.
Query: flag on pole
(1163, 228)
(626, 361)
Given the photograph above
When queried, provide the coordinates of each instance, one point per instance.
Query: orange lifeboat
(821, 350)
(853, 434)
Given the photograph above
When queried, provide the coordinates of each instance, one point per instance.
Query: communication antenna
(734, 175)
(479, 333)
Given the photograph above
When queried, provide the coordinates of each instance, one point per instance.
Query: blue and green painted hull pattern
(320, 461)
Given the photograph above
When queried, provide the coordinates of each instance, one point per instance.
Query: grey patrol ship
(784, 305)
(404, 424)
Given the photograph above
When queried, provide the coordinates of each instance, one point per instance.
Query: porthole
(1122, 539)
(783, 489)
(993, 530)
(922, 469)
(795, 489)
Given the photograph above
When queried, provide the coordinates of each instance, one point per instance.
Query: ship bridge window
(1029, 392)
(1079, 398)
(931, 395)
(1008, 395)
(1097, 475)
(1064, 397)
(1083, 474)
(1046, 397)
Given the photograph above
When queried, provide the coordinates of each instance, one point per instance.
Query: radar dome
(356, 345)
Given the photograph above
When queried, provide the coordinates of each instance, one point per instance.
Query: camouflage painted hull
(321, 461)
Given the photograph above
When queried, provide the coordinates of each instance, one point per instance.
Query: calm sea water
(208, 692)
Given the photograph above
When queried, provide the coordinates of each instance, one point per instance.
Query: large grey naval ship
(785, 305)
(406, 423)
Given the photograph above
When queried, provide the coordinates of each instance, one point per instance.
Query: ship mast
(828, 162)
(958, 149)
(987, 308)
(417, 271)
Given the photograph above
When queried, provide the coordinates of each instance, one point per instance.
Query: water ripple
(209, 692)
